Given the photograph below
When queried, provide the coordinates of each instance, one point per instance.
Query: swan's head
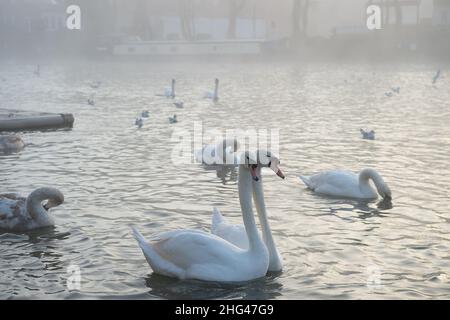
(384, 191)
(254, 161)
(53, 196)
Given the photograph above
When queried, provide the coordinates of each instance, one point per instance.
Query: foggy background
(288, 27)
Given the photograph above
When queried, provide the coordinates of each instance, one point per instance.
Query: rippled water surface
(114, 176)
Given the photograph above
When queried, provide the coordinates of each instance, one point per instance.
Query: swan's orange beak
(274, 166)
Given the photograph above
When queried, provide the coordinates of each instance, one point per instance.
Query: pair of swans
(213, 95)
(221, 153)
(11, 144)
(195, 254)
(23, 214)
(341, 183)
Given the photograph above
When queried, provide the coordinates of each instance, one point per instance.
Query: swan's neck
(36, 210)
(370, 174)
(258, 194)
(173, 88)
(245, 198)
(216, 90)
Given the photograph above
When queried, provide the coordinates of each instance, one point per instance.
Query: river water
(114, 175)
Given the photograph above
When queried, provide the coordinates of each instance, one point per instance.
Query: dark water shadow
(164, 287)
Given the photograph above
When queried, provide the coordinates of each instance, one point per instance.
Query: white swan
(213, 95)
(194, 254)
(11, 144)
(169, 92)
(21, 214)
(347, 184)
(221, 153)
(235, 233)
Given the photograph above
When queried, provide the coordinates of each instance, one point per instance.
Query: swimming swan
(169, 92)
(194, 254)
(222, 153)
(368, 135)
(213, 95)
(22, 214)
(11, 144)
(347, 184)
(235, 233)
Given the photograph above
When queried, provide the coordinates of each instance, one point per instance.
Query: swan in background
(368, 135)
(37, 71)
(222, 153)
(169, 92)
(22, 214)
(436, 76)
(195, 254)
(11, 144)
(213, 95)
(179, 104)
(340, 183)
(389, 94)
(235, 233)
(139, 122)
(96, 84)
(173, 119)
(145, 114)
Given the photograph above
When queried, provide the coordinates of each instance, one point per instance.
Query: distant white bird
(91, 102)
(436, 76)
(179, 104)
(37, 71)
(145, 114)
(11, 144)
(96, 84)
(173, 119)
(368, 135)
(213, 95)
(396, 89)
(389, 94)
(139, 122)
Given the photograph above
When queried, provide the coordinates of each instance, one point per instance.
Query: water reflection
(168, 288)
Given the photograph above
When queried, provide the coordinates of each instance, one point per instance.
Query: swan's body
(341, 183)
(368, 135)
(213, 95)
(221, 153)
(11, 144)
(192, 254)
(21, 214)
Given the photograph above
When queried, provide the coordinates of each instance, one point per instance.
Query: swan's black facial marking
(46, 206)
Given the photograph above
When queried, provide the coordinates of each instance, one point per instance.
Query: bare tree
(235, 7)
(300, 15)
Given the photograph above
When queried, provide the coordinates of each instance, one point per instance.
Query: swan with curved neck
(236, 233)
(195, 254)
(340, 183)
(222, 153)
(213, 95)
(22, 214)
(11, 144)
